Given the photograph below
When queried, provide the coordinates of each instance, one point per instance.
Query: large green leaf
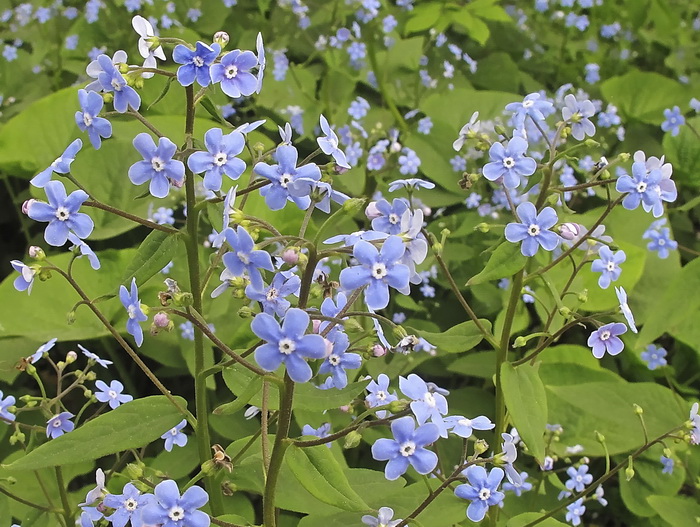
(650, 481)
(506, 260)
(679, 511)
(683, 151)
(526, 401)
(460, 338)
(154, 253)
(318, 472)
(131, 425)
(526, 518)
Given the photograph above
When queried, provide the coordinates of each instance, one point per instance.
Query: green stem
(148, 223)
(28, 503)
(63, 491)
(192, 249)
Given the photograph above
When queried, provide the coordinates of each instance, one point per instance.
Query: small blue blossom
(59, 424)
(379, 394)
(111, 394)
(92, 356)
(187, 330)
(482, 490)
(642, 187)
(113, 81)
(44, 348)
(654, 357)
(329, 144)
(407, 448)
(383, 519)
(163, 216)
(606, 338)
(10, 53)
(71, 42)
(608, 264)
(61, 165)
(509, 163)
(245, 258)
(575, 511)
(661, 242)
(427, 404)
(425, 125)
(667, 464)
(408, 162)
(625, 308)
(389, 23)
(282, 175)
(87, 119)
(464, 427)
(219, 159)
(132, 304)
(459, 164)
(158, 165)
(196, 64)
(592, 73)
(674, 120)
(233, 72)
(61, 213)
(193, 14)
(524, 486)
(174, 436)
(169, 509)
(358, 108)
(273, 298)
(377, 270)
(127, 506)
(533, 230)
(387, 217)
(578, 478)
(25, 280)
(5, 403)
(533, 105)
(577, 113)
(280, 64)
(339, 359)
(410, 184)
(288, 344)
(262, 63)
(322, 431)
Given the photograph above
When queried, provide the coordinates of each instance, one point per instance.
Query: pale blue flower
(407, 448)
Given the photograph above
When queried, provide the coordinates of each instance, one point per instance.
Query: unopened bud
(134, 470)
(221, 38)
(259, 147)
(90, 376)
(27, 205)
(354, 205)
(629, 471)
(480, 446)
(565, 312)
(519, 342)
(17, 437)
(570, 231)
(245, 312)
(397, 406)
(352, 439)
(483, 227)
(71, 356)
(291, 256)
(599, 437)
(500, 130)
(583, 296)
(371, 211)
(553, 199)
(183, 299)
(438, 247)
(161, 320)
(591, 142)
(624, 156)
(638, 409)
(378, 350)
(37, 252)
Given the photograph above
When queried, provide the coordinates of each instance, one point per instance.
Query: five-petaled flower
(111, 394)
(87, 119)
(482, 490)
(233, 72)
(169, 509)
(61, 165)
(220, 158)
(574, 511)
(654, 357)
(25, 280)
(427, 404)
(533, 229)
(339, 359)
(287, 344)
(606, 338)
(127, 506)
(244, 258)
(59, 424)
(329, 144)
(113, 81)
(578, 478)
(62, 214)
(175, 436)
(195, 63)
(509, 163)
(608, 264)
(383, 519)
(158, 165)
(132, 304)
(407, 448)
(642, 187)
(5, 404)
(577, 114)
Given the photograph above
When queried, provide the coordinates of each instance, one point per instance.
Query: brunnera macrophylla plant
(315, 333)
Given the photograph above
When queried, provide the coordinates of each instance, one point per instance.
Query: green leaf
(244, 398)
(526, 401)
(524, 519)
(476, 28)
(154, 253)
(131, 425)
(458, 339)
(678, 511)
(683, 151)
(210, 107)
(318, 472)
(506, 260)
(650, 481)
(424, 16)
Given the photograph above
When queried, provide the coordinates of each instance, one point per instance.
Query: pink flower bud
(378, 351)
(177, 184)
(35, 252)
(315, 324)
(290, 256)
(329, 347)
(345, 408)
(71, 356)
(570, 231)
(26, 205)
(371, 211)
(161, 320)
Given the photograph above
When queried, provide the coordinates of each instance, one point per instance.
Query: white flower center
(579, 479)
(157, 164)
(220, 159)
(56, 423)
(243, 257)
(610, 266)
(116, 85)
(286, 346)
(464, 422)
(484, 494)
(334, 360)
(87, 119)
(176, 514)
(231, 72)
(271, 294)
(333, 142)
(381, 395)
(198, 61)
(285, 179)
(661, 242)
(528, 103)
(131, 311)
(407, 449)
(429, 399)
(131, 504)
(641, 187)
(379, 270)
(508, 162)
(533, 230)
(393, 218)
(62, 214)
(605, 335)
(112, 394)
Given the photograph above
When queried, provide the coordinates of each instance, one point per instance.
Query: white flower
(145, 30)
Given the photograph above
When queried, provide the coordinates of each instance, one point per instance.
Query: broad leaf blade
(458, 339)
(506, 260)
(154, 253)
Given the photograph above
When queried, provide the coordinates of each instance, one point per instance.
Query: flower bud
(483, 227)
(161, 320)
(352, 439)
(570, 231)
(371, 211)
(547, 464)
(583, 296)
(599, 437)
(378, 350)
(591, 143)
(565, 312)
(397, 406)
(27, 205)
(37, 252)
(90, 376)
(638, 409)
(17, 437)
(354, 205)
(629, 471)
(480, 446)
(71, 356)
(134, 470)
(221, 38)
(245, 312)
(519, 342)
(291, 255)
(183, 299)
(346, 408)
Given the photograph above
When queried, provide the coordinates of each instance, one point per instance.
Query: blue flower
(127, 506)
(61, 165)
(377, 270)
(244, 258)
(87, 119)
(427, 404)
(384, 518)
(25, 280)
(59, 424)
(387, 217)
(575, 511)
(661, 242)
(339, 360)
(61, 212)
(425, 125)
(112, 394)
(407, 448)
(196, 63)
(668, 465)
(44, 348)
(642, 187)
(578, 478)
(464, 427)
(482, 490)
(113, 81)
(158, 165)
(524, 486)
(625, 308)
(132, 304)
(288, 344)
(5, 404)
(509, 163)
(322, 431)
(358, 108)
(577, 113)
(674, 120)
(233, 72)
(92, 356)
(379, 394)
(329, 144)
(533, 105)
(85, 250)
(272, 298)
(608, 264)
(410, 184)
(533, 230)
(320, 192)
(219, 160)
(654, 357)
(408, 162)
(282, 175)
(175, 436)
(606, 338)
(169, 509)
